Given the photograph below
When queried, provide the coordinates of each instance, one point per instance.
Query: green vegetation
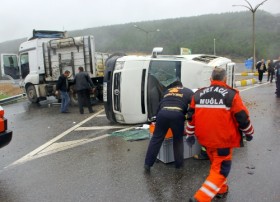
(232, 33)
(2, 96)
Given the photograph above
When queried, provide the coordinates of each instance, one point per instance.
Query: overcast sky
(19, 17)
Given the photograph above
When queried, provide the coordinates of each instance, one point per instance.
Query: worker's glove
(190, 140)
(249, 137)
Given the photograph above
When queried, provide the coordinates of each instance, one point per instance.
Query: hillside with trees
(232, 33)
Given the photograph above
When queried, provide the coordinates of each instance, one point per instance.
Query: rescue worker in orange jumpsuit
(217, 117)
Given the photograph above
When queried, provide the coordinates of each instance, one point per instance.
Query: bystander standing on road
(261, 67)
(270, 70)
(171, 114)
(84, 86)
(216, 117)
(277, 70)
(62, 87)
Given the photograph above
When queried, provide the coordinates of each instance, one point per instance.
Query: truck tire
(31, 94)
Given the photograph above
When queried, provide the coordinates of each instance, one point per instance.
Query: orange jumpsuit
(217, 117)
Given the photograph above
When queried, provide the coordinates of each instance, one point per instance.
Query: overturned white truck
(46, 55)
(133, 85)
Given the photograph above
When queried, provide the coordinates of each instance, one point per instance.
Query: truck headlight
(119, 118)
(105, 91)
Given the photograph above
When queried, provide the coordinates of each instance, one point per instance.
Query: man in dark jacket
(171, 114)
(270, 70)
(62, 86)
(261, 69)
(84, 86)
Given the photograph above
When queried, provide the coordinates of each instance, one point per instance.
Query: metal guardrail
(12, 99)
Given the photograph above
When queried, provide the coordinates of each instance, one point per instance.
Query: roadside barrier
(245, 82)
(248, 74)
(12, 99)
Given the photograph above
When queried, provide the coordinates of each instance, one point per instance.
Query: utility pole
(253, 10)
(214, 46)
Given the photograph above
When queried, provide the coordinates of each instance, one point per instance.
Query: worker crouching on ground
(216, 116)
(170, 114)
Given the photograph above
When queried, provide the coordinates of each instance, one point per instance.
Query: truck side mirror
(156, 51)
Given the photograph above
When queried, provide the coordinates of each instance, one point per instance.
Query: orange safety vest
(216, 116)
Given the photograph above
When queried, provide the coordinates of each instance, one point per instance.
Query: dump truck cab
(46, 55)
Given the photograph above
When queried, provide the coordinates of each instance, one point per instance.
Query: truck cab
(45, 56)
(5, 134)
(134, 85)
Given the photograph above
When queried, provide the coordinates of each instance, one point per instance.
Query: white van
(134, 85)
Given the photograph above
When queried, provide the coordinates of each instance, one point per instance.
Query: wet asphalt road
(77, 166)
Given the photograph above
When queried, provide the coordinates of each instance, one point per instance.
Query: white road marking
(47, 144)
(52, 146)
(98, 128)
(255, 86)
(61, 146)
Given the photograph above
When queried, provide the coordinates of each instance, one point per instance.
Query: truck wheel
(31, 94)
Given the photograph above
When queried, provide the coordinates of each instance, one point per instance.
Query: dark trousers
(278, 86)
(167, 119)
(84, 100)
(270, 75)
(260, 76)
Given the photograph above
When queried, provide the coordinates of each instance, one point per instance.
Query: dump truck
(46, 55)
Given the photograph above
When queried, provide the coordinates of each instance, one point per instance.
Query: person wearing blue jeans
(62, 86)
(65, 100)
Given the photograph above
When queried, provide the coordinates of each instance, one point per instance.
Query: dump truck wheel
(31, 94)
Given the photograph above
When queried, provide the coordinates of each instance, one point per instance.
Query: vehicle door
(9, 66)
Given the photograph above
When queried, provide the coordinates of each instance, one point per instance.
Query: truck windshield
(160, 75)
(166, 72)
(24, 65)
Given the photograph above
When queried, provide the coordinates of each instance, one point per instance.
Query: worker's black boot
(223, 195)
(147, 168)
(192, 199)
